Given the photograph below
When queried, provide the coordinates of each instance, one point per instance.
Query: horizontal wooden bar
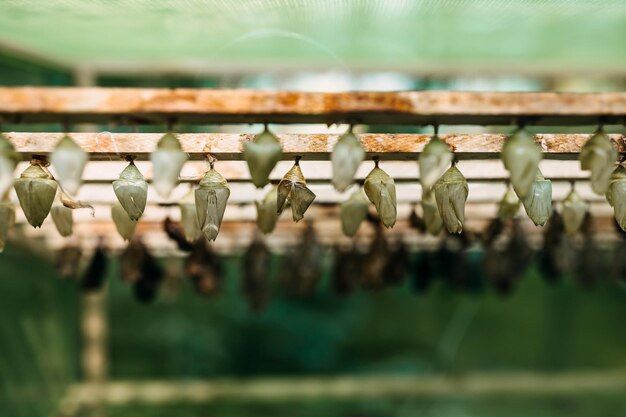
(344, 387)
(314, 147)
(207, 106)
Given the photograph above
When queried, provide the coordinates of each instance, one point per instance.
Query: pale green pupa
(381, 191)
(509, 205)
(123, 223)
(68, 160)
(430, 212)
(521, 157)
(262, 154)
(451, 192)
(346, 157)
(189, 217)
(538, 201)
(211, 198)
(35, 191)
(352, 212)
(598, 156)
(292, 190)
(267, 211)
(63, 218)
(167, 162)
(574, 212)
(131, 190)
(433, 162)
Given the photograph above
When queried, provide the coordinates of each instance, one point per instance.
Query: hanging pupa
(574, 211)
(432, 218)
(189, 217)
(123, 224)
(256, 282)
(131, 190)
(353, 211)
(521, 157)
(35, 191)
(346, 157)
(267, 211)
(62, 217)
(262, 154)
(509, 205)
(451, 192)
(292, 190)
(598, 156)
(69, 160)
(7, 220)
(433, 162)
(616, 195)
(211, 197)
(8, 161)
(167, 161)
(381, 190)
(538, 201)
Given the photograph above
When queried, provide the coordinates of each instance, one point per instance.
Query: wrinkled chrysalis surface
(381, 191)
(35, 191)
(509, 205)
(189, 217)
(616, 195)
(538, 201)
(292, 190)
(433, 162)
(574, 212)
(432, 218)
(131, 190)
(346, 157)
(598, 156)
(63, 219)
(8, 161)
(267, 211)
(451, 192)
(211, 197)
(69, 160)
(262, 154)
(167, 161)
(123, 224)
(7, 220)
(352, 213)
(521, 157)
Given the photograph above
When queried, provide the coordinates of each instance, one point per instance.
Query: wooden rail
(314, 147)
(207, 106)
(349, 387)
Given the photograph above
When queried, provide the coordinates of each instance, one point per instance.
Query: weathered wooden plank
(204, 106)
(315, 147)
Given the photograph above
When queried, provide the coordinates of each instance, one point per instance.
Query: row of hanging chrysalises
(444, 187)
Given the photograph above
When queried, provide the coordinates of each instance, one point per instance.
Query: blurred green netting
(402, 33)
(39, 355)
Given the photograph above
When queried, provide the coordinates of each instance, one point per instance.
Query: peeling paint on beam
(313, 147)
(207, 106)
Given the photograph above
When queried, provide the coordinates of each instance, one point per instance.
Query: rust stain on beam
(153, 106)
(314, 147)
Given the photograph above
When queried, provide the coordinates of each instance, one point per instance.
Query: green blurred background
(324, 45)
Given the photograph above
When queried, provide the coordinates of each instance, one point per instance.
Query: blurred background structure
(458, 346)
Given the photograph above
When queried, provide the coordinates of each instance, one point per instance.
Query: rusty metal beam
(206, 106)
(313, 147)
